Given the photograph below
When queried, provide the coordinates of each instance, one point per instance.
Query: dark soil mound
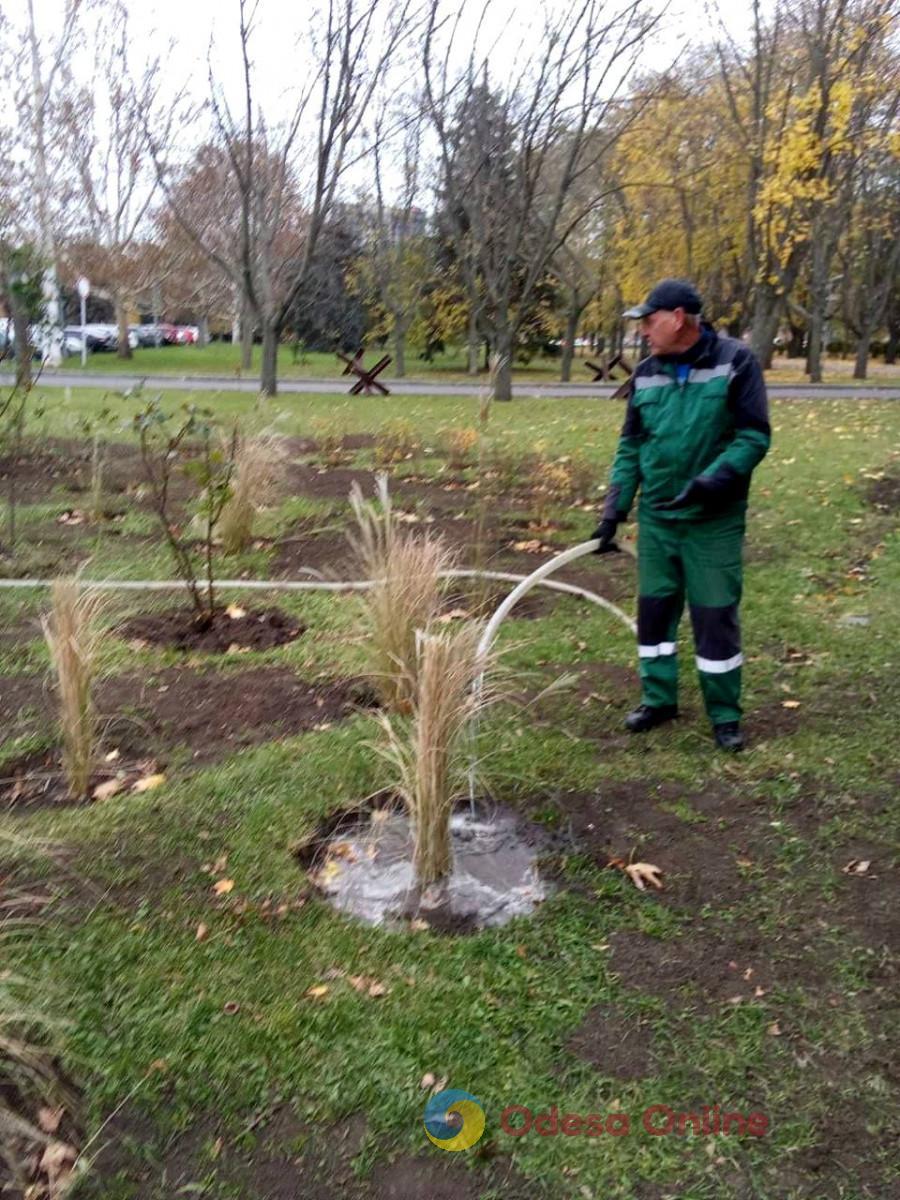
(254, 629)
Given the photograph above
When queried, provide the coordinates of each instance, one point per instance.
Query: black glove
(606, 532)
(694, 493)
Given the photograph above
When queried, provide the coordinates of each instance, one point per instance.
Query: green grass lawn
(223, 359)
(210, 1060)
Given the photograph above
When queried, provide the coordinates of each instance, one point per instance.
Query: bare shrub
(207, 460)
(405, 597)
(396, 442)
(73, 634)
(330, 450)
(259, 471)
(459, 445)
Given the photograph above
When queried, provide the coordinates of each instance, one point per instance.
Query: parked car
(187, 335)
(162, 333)
(98, 337)
(72, 341)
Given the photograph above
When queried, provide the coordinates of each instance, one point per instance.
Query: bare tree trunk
(123, 346)
(863, 345)
(247, 332)
(268, 381)
(573, 316)
(766, 311)
(473, 343)
(823, 249)
(203, 331)
(893, 345)
(502, 360)
(399, 339)
(816, 339)
(22, 340)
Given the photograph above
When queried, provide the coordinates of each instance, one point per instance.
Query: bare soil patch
(214, 713)
(884, 494)
(703, 862)
(617, 1045)
(289, 1160)
(255, 629)
(211, 714)
(714, 966)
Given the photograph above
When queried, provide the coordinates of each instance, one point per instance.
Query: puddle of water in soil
(368, 872)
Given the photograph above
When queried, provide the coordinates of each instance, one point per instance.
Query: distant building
(401, 223)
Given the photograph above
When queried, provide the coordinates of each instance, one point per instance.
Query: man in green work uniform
(697, 424)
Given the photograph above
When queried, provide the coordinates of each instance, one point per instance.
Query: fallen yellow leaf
(49, 1119)
(316, 993)
(202, 932)
(103, 791)
(235, 612)
(790, 704)
(641, 874)
(148, 783)
(223, 887)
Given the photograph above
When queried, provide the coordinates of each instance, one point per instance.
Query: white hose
(344, 585)
(538, 576)
(490, 630)
(524, 584)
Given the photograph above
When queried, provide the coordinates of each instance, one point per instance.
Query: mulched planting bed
(255, 629)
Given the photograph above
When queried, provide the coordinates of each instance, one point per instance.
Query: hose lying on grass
(356, 585)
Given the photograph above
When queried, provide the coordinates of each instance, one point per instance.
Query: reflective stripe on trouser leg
(660, 604)
(717, 638)
(714, 581)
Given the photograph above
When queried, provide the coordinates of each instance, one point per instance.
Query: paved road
(408, 387)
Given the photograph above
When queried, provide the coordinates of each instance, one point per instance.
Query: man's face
(664, 329)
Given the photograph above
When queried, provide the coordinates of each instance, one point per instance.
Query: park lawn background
(223, 359)
(142, 999)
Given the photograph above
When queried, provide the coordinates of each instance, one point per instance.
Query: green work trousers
(699, 559)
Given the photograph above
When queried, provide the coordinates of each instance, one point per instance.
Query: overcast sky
(183, 30)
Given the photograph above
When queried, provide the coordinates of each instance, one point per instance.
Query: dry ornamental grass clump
(259, 470)
(430, 755)
(73, 633)
(406, 571)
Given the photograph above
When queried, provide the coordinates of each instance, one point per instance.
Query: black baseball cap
(670, 294)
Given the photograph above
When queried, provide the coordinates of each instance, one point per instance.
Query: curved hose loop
(491, 629)
(536, 577)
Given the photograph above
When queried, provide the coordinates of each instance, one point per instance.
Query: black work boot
(646, 717)
(728, 736)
